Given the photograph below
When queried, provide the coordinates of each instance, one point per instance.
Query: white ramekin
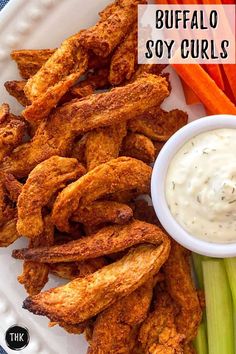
(158, 186)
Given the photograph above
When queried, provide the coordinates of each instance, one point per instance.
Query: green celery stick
(219, 309)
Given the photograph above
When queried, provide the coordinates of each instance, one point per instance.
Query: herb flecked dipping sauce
(201, 186)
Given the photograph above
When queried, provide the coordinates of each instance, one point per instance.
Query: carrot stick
(190, 96)
(230, 72)
(215, 73)
(205, 88)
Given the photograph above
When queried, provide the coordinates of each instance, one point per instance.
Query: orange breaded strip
(43, 182)
(13, 187)
(74, 270)
(42, 106)
(29, 61)
(108, 240)
(138, 146)
(108, 33)
(72, 303)
(79, 116)
(124, 59)
(115, 328)
(158, 333)
(158, 124)
(121, 174)
(67, 59)
(35, 275)
(181, 288)
(7, 208)
(16, 89)
(102, 212)
(78, 149)
(104, 144)
(12, 130)
(8, 233)
(154, 69)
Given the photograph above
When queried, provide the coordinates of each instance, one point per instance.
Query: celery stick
(220, 326)
(230, 265)
(200, 342)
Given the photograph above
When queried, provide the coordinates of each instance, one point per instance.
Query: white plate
(44, 24)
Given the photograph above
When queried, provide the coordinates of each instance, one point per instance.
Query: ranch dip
(201, 186)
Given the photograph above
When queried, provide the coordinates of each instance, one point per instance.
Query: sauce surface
(201, 186)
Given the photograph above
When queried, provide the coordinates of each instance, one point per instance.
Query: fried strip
(74, 270)
(69, 328)
(121, 174)
(103, 212)
(13, 187)
(35, 275)
(43, 182)
(78, 149)
(108, 240)
(155, 69)
(138, 146)
(124, 59)
(79, 116)
(104, 144)
(71, 303)
(12, 130)
(8, 233)
(42, 106)
(16, 89)
(29, 61)
(158, 333)
(181, 288)
(158, 124)
(67, 59)
(115, 328)
(54, 78)
(108, 33)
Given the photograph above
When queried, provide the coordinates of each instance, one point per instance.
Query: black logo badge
(17, 337)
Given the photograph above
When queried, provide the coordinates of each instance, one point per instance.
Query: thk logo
(17, 337)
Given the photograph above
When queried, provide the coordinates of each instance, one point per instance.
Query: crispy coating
(158, 124)
(104, 144)
(114, 329)
(43, 182)
(100, 212)
(121, 174)
(35, 275)
(71, 328)
(79, 116)
(84, 298)
(13, 187)
(29, 61)
(108, 240)
(78, 149)
(16, 89)
(114, 25)
(12, 130)
(124, 59)
(155, 69)
(181, 288)
(158, 333)
(8, 233)
(7, 207)
(189, 349)
(138, 146)
(74, 270)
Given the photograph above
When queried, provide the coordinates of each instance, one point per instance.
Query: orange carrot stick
(205, 88)
(215, 73)
(230, 72)
(190, 96)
